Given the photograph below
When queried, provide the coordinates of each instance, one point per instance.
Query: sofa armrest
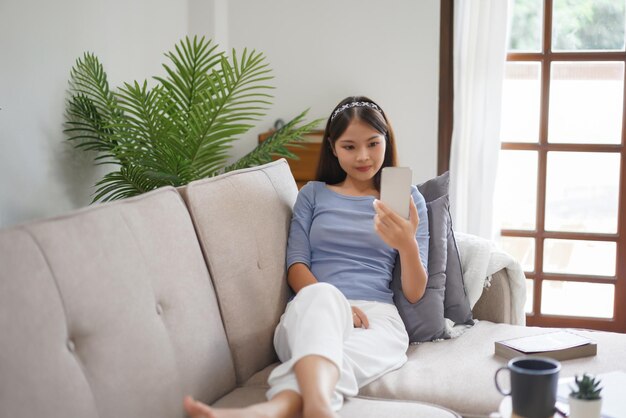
(494, 303)
(494, 281)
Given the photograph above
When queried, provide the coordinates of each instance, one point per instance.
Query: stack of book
(559, 345)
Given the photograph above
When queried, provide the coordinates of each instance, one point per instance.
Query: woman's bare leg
(317, 377)
(286, 404)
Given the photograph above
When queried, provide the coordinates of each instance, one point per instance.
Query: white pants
(318, 321)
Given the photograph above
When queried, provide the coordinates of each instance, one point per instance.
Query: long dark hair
(328, 168)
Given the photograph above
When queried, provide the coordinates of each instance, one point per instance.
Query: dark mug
(534, 382)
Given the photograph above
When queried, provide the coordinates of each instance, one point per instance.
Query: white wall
(321, 51)
(40, 173)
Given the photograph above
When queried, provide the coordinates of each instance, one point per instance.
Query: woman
(342, 330)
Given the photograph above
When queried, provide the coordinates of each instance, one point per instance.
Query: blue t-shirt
(333, 234)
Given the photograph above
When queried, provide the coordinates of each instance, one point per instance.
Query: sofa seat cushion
(352, 407)
(458, 373)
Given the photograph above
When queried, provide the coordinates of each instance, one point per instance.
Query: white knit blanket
(480, 258)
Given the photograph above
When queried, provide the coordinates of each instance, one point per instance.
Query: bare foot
(197, 409)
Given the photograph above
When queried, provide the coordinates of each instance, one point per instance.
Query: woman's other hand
(392, 228)
(359, 319)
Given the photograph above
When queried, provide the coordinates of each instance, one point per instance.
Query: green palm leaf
(290, 134)
(229, 111)
(92, 108)
(181, 129)
(126, 182)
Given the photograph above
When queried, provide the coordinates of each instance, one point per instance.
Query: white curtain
(479, 58)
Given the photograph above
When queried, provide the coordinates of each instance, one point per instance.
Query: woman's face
(360, 151)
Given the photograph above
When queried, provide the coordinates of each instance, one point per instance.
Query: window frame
(546, 57)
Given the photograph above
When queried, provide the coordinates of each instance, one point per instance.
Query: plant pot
(584, 408)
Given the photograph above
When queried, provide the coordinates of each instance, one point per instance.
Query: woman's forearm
(299, 276)
(414, 275)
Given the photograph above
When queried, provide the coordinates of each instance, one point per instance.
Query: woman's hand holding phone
(392, 228)
(394, 222)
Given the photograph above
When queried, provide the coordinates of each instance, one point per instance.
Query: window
(562, 179)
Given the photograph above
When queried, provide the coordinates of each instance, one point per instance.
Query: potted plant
(584, 399)
(179, 127)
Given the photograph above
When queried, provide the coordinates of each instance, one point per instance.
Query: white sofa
(120, 309)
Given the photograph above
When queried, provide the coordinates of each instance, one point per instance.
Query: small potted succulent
(584, 399)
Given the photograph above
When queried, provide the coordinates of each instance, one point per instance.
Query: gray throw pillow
(456, 302)
(436, 187)
(424, 320)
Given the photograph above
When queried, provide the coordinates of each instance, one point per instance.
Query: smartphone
(395, 189)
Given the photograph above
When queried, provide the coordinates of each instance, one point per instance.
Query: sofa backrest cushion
(242, 220)
(109, 312)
